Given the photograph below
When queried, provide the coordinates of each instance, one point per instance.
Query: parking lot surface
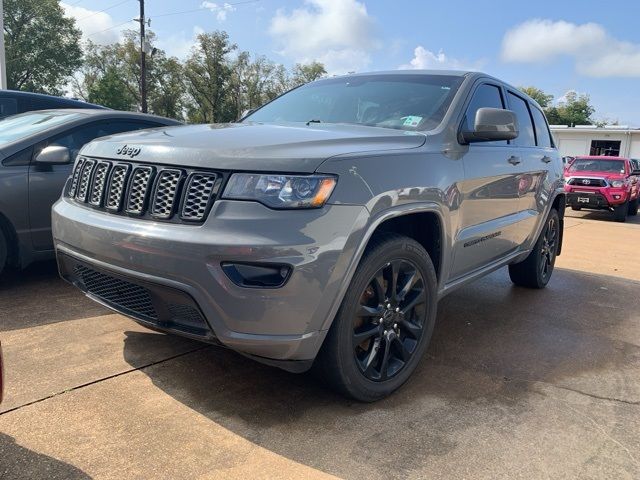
(516, 384)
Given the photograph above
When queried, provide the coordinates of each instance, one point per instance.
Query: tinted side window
(77, 138)
(8, 106)
(542, 129)
(526, 138)
(485, 96)
(23, 157)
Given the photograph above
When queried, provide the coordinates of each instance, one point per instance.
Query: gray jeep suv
(323, 228)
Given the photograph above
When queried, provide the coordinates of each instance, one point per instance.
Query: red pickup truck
(604, 183)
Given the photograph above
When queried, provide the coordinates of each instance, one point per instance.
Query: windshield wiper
(313, 121)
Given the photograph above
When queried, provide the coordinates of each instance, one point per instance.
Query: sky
(588, 46)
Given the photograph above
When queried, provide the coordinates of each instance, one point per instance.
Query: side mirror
(54, 155)
(492, 124)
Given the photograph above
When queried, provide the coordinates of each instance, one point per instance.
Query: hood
(251, 146)
(596, 174)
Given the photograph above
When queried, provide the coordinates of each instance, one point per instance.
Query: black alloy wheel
(389, 320)
(549, 247)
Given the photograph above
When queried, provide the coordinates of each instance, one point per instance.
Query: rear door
(46, 181)
(540, 158)
(490, 212)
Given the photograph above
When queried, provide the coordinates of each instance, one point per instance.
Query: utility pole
(3, 60)
(143, 60)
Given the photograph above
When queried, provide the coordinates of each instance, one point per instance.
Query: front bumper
(598, 198)
(181, 265)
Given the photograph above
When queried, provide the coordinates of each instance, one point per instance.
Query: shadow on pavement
(27, 464)
(493, 342)
(602, 215)
(38, 296)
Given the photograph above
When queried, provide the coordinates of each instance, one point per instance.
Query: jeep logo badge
(129, 151)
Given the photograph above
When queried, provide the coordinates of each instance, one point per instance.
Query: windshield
(408, 102)
(594, 165)
(21, 126)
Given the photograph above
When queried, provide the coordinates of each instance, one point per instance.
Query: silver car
(37, 151)
(322, 229)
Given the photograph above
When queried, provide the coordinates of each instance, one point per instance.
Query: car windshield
(402, 101)
(21, 126)
(596, 165)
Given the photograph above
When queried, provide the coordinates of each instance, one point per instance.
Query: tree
(42, 45)
(305, 73)
(207, 74)
(110, 76)
(543, 99)
(573, 110)
(111, 91)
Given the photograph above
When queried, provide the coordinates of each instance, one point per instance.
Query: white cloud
(179, 44)
(595, 52)
(96, 26)
(221, 11)
(338, 33)
(424, 59)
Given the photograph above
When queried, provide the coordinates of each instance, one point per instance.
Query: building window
(610, 148)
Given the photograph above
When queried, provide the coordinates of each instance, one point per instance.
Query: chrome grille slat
(178, 195)
(138, 188)
(165, 192)
(85, 180)
(116, 188)
(75, 178)
(198, 194)
(99, 180)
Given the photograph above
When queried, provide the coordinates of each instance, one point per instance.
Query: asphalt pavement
(516, 384)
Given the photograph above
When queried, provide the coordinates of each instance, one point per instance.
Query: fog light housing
(616, 197)
(257, 275)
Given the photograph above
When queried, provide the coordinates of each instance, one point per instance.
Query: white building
(614, 140)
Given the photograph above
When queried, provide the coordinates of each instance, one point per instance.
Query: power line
(102, 11)
(226, 5)
(107, 29)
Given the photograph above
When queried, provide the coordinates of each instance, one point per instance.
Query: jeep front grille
(145, 191)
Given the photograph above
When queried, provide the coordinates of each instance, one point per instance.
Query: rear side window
(485, 96)
(8, 106)
(526, 138)
(542, 129)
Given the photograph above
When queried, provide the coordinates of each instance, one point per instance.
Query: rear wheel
(620, 212)
(3, 251)
(385, 321)
(535, 271)
(633, 207)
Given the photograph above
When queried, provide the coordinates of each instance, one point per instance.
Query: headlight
(617, 183)
(281, 191)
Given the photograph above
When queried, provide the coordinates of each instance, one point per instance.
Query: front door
(491, 213)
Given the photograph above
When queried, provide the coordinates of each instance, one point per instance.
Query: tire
(633, 207)
(3, 251)
(535, 270)
(577, 209)
(621, 211)
(395, 330)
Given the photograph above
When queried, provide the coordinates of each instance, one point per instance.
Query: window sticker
(412, 121)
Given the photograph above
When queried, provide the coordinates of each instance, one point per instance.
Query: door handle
(546, 159)
(513, 160)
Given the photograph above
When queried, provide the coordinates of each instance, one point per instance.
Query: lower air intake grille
(121, 294)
